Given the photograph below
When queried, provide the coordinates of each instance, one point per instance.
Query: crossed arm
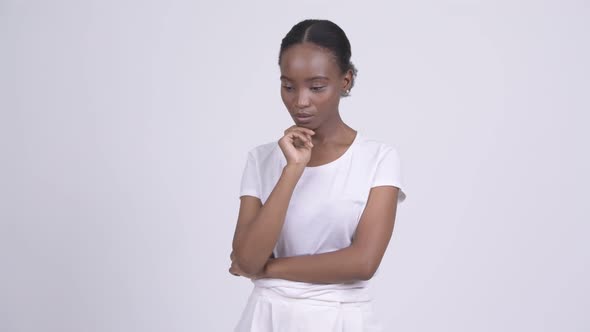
(359, 261)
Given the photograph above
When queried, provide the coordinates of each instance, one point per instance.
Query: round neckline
(339, 159)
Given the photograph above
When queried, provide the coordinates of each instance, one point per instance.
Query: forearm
(344, 265)
(257, 241)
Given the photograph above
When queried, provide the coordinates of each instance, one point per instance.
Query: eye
(288, 88)
(317, 88)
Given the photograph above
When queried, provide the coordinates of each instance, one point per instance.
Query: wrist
(294, 168)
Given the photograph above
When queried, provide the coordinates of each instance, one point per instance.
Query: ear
(346, 80)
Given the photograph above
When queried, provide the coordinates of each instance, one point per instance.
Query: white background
(124, 128)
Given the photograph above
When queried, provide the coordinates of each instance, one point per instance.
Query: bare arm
(259, 226)
(344, 265)
(356, 262)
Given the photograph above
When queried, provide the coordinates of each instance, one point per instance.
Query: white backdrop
(124, 128)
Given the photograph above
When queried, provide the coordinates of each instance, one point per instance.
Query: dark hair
(325, 34)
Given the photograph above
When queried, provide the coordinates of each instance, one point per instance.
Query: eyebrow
(307, 79)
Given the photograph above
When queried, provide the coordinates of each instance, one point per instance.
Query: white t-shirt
(326, 204)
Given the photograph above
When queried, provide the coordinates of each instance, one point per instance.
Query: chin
(307, 125)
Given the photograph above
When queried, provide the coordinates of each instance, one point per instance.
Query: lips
(303, 117)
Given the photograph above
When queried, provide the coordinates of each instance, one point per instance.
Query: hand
(296, 145)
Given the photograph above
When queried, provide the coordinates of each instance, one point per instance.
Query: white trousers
(269, 311)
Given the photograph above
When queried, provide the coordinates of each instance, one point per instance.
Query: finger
(303, 133)
(232, 272)
(289, 129)
(301, 129)
(304, 130)
(308, 136)
(294, 135)
(235, 270)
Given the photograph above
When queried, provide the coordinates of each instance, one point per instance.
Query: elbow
(247, 264)
(367, 269)
(366, 275)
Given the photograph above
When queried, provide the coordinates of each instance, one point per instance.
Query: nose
(302, 100)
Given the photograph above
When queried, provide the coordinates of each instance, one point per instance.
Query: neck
(333, 130)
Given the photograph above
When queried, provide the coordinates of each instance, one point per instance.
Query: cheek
(286, 98)
(328, 98)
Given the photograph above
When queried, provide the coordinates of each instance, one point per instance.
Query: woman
(317, 209)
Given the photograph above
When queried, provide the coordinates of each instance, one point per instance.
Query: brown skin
(311, 82)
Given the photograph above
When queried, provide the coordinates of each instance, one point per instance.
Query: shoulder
(375, 147)
(265, 152)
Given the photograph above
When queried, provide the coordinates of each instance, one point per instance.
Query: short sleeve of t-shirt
(388, 172)
(250, 184)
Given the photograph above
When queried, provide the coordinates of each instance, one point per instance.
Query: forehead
(306, 60)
